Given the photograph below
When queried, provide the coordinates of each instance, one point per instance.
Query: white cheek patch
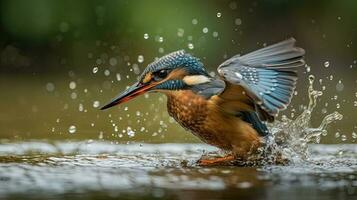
(196, 79)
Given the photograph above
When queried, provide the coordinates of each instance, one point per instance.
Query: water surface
(97, 169)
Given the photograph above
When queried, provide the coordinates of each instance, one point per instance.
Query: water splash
(290, 137)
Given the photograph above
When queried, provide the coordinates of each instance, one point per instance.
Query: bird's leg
(216, 161)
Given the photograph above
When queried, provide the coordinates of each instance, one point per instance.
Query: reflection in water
(100, 169)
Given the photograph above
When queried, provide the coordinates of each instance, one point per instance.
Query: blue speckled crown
(174, 60)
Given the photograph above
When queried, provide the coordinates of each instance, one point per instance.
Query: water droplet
(106, 72)
(136, 68)
(118, 77)
(233, 5)
(219, 14)
(113, 61)
(354, 135)
(140, 58)
(71, 74)
(72, 129)
(73, 95)
(339, 86)
(311, 79)
(96, 104)
(95, 70)
(180, 32)
(80, 107)
(343, 137)
(194, 21)
(130, 132)
(327, 64)
(238, 21)
(337, 135)
(205, 30)
(324, 111)
(308, 69)
(146, 36)
(72, 85)
(215, 34)
(161, 39)
(190, 46)
(51, 87)
(99, 61)
(100, 136)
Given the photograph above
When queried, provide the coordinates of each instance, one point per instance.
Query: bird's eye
(160, 75)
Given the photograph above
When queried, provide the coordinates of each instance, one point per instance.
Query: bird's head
(175, 71)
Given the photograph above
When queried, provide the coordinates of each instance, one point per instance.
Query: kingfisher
(230, 110)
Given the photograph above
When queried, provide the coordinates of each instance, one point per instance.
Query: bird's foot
(216, 161)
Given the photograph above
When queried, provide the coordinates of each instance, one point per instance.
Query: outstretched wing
(267, 75)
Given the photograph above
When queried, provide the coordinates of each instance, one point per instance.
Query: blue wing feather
(269, 74)
(253, 119)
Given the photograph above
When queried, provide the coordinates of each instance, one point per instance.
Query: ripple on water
(65, 167)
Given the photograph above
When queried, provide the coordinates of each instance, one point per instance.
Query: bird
(230, 110)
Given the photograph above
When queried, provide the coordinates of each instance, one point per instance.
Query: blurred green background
(60, 60)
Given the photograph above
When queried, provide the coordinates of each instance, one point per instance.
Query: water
(97, 169)
(291, 137)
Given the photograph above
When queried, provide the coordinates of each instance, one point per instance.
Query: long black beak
(133, 91)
